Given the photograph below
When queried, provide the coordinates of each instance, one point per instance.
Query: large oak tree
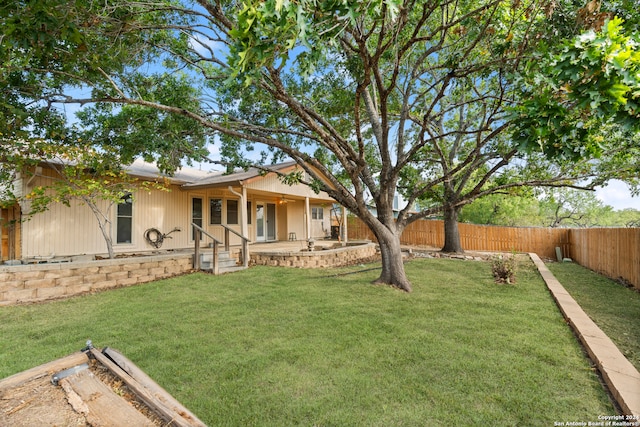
(368, 97)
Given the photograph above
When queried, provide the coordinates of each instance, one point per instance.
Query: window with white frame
(124, 220)
(232, 212)
(196, 214)
(317, 213)
(215, 211)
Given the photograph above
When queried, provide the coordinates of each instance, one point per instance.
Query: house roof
(142, 169)
(235, 178)
(191, 179)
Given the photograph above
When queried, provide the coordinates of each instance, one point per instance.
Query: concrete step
(224, 261)
(231, 269)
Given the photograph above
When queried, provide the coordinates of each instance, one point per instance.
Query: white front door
(260, 222)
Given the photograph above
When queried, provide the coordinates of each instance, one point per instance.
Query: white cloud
(205, 46)
(617, 194)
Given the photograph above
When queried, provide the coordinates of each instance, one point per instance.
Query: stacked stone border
(315, 259)
(32, 283)
(41, 282)
(621, 377)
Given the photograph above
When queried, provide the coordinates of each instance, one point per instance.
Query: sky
(617, 195)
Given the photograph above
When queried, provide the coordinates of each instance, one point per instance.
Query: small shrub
(504, 268)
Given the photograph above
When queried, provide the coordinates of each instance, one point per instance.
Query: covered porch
(262, 208)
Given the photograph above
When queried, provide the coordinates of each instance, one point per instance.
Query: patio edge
(621, 377)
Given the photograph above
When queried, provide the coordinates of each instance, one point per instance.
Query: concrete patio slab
(621, 377)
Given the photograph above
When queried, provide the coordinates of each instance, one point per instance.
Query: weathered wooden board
(90, 395)
(42, 370)
(38, 402)
(103, 407)
(147, 390)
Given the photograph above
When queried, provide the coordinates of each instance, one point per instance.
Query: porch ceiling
(276, 197)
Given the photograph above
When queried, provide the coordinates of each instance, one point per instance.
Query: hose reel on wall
(155, 237)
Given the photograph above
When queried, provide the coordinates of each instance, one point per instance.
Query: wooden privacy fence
(542, 241)
(614, 252)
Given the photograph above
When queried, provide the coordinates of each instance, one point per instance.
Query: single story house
(254, 204)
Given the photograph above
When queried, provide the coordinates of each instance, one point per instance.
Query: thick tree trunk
(451, 231)
(392, 263)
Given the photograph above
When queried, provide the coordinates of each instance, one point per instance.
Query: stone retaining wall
(315, 259)
(40, 282)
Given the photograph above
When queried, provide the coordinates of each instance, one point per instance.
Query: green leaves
(594, 80)
(608, 67)
(147, 132)
(267, 31)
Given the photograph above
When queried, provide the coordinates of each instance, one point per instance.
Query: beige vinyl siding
(62, 231)
(281, 221)
(296, 220)
(271, 183)
(164, 211)
(66, 231)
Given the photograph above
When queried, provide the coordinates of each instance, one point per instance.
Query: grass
(613, 307)
(279, 347)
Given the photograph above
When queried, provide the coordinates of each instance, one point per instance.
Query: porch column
(243, 209)
(344, 231)
(307, 214)
(244, 227)
(2, 227)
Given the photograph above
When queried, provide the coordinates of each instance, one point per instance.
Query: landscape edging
(620, 376)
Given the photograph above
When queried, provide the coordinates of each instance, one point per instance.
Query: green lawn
(613, 307)
(279, 347)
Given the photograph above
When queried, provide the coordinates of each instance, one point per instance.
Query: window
(215, 211)
(124, 220)
(317, 213)
(232, 211)
(196, 215)
(248, 212)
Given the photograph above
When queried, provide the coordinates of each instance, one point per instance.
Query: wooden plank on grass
(42, 370)
(154, 388)
(147, 390)
(104, 408)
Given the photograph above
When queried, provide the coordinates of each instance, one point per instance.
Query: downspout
(243, 209)
(1, 234)
(343, 227)
(307, 213)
